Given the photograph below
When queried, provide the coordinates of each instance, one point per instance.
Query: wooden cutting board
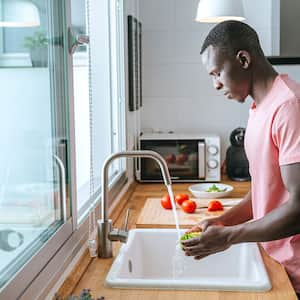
(153, 215)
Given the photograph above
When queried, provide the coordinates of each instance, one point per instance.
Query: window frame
(42, 271)
(17, 286)
(117, 71)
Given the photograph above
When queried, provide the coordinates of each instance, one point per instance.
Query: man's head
(228, 53)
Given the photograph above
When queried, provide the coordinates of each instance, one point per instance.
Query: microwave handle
(201, 160)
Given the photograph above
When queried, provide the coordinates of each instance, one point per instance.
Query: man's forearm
(279, 223)
(238, 214)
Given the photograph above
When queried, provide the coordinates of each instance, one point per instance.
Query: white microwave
(190, 157)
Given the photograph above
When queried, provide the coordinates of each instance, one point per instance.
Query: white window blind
(99, 101)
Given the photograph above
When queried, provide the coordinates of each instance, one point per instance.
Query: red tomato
(180, 198)
(214, 205)
(189, 206)
(166, 202)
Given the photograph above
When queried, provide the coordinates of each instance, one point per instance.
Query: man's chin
(240, 100)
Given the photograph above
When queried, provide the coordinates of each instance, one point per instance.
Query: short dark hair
(232, 36)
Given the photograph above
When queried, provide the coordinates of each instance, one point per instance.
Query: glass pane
(25, 46)
(181, 157)
(33, 140)
(117, 84)
(82, 102)
(98, 95)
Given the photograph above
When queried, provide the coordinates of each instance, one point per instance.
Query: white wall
(131, 7)
(178, 94)
(289, 18)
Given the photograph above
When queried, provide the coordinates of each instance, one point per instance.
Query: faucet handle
(126, 219)
(120, 234)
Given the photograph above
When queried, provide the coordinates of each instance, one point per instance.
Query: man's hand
(219, 232)
(214, 239)
(203, 225)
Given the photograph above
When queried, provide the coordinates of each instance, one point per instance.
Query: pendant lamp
(215, 11)
(19, 13)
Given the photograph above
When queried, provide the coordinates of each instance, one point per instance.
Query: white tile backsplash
(158, 47)
(177, 80)
(157, 15)
(185, 13)
(191, 115)
(187, 45)
(178, 93)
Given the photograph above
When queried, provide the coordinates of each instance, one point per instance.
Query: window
(34, 194)
(55, 103)
(117, 83)
(99, 98)
(25, 46)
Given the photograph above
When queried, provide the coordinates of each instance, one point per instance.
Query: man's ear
(244, 58)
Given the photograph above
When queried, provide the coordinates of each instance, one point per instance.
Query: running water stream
(178, 258)
(171, 194)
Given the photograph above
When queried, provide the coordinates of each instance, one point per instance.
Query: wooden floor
(92, 272)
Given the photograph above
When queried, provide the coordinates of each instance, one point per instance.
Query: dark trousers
(298, 295)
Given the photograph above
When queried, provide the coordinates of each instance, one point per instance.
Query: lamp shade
(215, 11)
(19, 13)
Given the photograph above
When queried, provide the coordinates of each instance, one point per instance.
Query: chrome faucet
(105, 232)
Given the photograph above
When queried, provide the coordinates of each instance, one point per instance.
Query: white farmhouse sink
(146, 261)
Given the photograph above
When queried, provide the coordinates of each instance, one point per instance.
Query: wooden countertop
(95, 270)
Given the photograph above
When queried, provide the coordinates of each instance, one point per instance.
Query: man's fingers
(201, 252)
(205, 226)
(198, 257)
(196, 228)
(191, 242)
(195, 250)
(198, 253)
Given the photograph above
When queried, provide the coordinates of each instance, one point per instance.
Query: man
(270, 212)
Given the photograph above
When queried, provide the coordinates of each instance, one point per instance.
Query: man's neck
(262, 82)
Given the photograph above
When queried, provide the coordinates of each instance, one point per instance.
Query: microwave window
(181, 157)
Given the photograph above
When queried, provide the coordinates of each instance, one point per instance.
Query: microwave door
(201, 160)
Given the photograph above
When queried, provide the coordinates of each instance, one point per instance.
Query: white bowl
(199, 190)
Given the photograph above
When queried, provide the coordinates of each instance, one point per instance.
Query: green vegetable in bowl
(214, 188)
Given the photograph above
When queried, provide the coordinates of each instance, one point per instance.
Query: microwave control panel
(213, 159)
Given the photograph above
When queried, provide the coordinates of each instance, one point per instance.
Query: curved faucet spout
(105, 233)
(135, 153)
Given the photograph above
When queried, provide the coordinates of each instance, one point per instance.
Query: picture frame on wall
(140, 63)
(134, 63)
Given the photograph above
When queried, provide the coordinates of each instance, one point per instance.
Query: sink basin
(146, 261)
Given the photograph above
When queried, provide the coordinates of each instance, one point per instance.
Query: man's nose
(217, 84)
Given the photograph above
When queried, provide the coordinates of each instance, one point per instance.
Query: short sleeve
(286, 132)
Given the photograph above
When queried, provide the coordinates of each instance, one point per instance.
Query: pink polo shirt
(272, 140)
